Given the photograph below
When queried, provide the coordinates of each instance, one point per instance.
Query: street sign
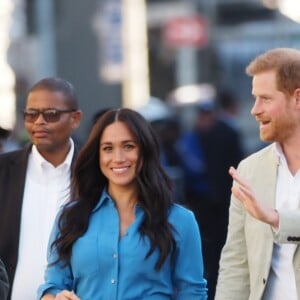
(186, 31)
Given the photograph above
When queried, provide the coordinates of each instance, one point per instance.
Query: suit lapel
(267, 178)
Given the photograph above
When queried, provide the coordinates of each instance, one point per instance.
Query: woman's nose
(119, 155)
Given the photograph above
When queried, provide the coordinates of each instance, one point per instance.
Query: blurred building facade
(63, 38)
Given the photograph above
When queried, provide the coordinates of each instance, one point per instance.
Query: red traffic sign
(186, 31)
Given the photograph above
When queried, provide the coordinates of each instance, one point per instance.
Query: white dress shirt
(281, 283)
(46, 189)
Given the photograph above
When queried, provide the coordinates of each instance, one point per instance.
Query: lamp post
(44, 13)
(290, 8)
(136, 91)
(7, 78)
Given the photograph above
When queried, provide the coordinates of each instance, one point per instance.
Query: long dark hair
(154, 188)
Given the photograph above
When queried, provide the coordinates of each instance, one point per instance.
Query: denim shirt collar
(105, 198)
(102, 200)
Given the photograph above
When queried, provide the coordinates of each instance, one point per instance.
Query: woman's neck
(125, 199)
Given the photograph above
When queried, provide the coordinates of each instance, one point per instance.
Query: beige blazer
(246, 257)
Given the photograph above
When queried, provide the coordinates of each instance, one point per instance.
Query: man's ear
(76, 118)
(297, 93)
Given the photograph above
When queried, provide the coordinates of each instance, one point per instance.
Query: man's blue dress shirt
(105, 267)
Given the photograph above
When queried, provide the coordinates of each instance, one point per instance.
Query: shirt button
(113, 281)
(115, 255)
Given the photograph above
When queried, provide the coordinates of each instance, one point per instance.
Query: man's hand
(244, 193)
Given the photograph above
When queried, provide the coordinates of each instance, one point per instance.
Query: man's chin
(266, 138)
(44, 147)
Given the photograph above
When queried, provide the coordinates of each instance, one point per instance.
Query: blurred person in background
(168, 131)
(7, 142)
(208, 150)
(228, 106)
(121, 237)
(167, 127)
(4, 134)
(260, 259)
(94, 119)
(4, 284)
(98, 114)
(35, 182)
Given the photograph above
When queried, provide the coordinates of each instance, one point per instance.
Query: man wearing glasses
(35, 182)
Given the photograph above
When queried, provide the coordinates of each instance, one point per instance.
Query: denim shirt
(104, 266)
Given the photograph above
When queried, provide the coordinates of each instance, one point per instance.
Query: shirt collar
(103, 199)
(41, 161)
(279, 153)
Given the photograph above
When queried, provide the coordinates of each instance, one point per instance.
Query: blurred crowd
(197, 157)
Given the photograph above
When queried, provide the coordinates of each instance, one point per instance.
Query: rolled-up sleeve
(58, 276)
(289, 227)
(188, 269)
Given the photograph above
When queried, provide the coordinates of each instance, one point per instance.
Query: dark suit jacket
(4, 286)
(13, 167)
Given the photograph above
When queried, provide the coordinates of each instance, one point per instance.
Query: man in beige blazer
(261, 259)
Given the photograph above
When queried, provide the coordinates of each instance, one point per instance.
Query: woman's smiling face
(119, 155)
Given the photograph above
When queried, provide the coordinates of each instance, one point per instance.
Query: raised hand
(256, 208)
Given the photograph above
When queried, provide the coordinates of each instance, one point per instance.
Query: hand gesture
(245, 194)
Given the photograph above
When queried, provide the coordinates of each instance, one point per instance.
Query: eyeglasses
(50, 115)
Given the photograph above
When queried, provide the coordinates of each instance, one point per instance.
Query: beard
(278, 130)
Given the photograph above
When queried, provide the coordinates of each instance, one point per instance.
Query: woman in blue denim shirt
(122, 237)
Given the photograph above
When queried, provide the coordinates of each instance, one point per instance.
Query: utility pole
(7, 78)
(45, 20)
(136, 90)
